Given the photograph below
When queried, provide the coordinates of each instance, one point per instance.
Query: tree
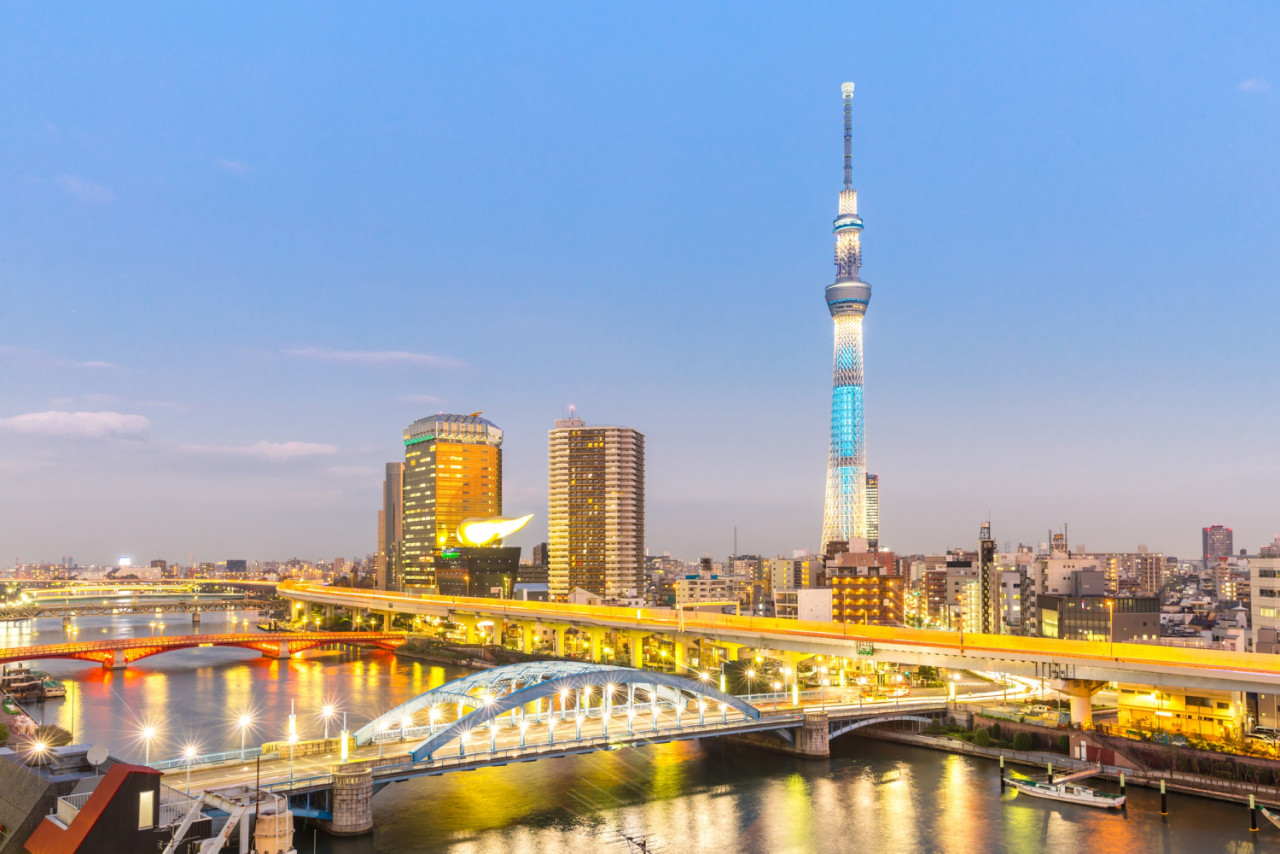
(1022, 741)
(981, 737)
(995, 731)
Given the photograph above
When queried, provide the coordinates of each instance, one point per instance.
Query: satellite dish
(97, 755)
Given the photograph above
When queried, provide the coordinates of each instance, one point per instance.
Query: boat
(1270, 815)
(54, 688)
(1070, 792)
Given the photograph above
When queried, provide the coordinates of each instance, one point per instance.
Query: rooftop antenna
(846, 89)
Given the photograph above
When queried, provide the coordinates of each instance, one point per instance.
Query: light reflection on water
(684, 798)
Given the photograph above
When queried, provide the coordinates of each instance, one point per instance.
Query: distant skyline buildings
(1217, 541)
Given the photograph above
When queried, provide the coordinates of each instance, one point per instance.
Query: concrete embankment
(1175, 781)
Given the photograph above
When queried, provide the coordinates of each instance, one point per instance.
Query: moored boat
(1270, 815)
(1072, 793)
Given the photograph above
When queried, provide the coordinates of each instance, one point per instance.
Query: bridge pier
(352, 802)
(282, 651)
(814, 738)
(557, 634)
(1081, 692)
(195, 618)
(117, 662)
(386, 621)
(593, 642)
(66, 623)
(526, 637)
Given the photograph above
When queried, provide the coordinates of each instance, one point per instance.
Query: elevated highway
(1082, 664)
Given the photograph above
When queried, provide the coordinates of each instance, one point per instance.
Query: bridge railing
(210, 758)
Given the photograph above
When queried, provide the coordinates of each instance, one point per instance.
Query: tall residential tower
(595, 510)
(844, 516)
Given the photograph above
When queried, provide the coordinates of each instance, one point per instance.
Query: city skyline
(215, 327)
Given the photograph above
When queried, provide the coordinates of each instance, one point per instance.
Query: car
(1038, 709)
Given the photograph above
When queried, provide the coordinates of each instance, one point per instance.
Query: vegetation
(1064, 743)
(1022, 741)
(981, 737)
(4, 735)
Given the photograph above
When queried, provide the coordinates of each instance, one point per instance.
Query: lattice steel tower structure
(845, 512)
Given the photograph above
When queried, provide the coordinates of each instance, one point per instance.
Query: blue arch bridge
(528, 711)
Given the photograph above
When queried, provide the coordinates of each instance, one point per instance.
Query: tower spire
(845, 511)
(847, 90)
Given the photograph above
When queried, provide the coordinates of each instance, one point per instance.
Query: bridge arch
(842, 727)
(506, 689)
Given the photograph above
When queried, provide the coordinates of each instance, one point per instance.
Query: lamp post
(405, 723)
(293, 739)
(243, 723)
(148, 733)
(327, 712)
(751, 674)
(1111, 628)
(190, 754)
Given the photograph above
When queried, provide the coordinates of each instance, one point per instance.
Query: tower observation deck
(844, 512)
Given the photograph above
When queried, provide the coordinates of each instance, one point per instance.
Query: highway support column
(1081, 692)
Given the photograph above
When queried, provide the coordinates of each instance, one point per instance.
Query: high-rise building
(1217, 543)
(873, 511)
(595, 512)
(988, 617)
(387, 575)
(844, 515)
(452, 472)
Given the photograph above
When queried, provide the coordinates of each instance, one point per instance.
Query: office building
(814, 604)
(873, 511)
(1099, 618)
(1216, 541)
(1264, 603)
(452, 471)
(595, 510)
(844, 516)
(387, 574)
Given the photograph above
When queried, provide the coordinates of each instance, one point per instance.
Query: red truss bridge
(120, 653)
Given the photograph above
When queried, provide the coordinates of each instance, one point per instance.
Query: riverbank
(1199, 785)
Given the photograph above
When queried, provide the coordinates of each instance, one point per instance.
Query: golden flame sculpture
(482, 531)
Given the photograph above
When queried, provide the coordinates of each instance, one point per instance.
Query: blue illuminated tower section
(845, 512)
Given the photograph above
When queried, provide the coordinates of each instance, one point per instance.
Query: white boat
(1070, 792)
(1270, 815)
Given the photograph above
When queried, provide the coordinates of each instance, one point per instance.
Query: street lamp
(189, 754)
(293, 739)
(148, 733)
(777, 689)
(751, 674)
(405, 723)
(1111, 627)
(327, 711)
(243, 723)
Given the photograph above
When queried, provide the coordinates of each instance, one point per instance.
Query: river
(683, 798)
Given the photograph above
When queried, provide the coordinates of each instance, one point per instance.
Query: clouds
(232, 167)
(274, 451)
(39, 357)
(1255, 84)
(400, 358)
(85, 191)
(81, 425)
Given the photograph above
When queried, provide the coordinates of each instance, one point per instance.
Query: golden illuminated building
(867, 588)
(452, 473)
(1204, 712)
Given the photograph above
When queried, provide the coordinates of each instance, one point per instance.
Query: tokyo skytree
(844, 514)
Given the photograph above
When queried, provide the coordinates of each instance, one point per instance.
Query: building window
(146, 810)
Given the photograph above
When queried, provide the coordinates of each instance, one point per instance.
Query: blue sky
(253, 243)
